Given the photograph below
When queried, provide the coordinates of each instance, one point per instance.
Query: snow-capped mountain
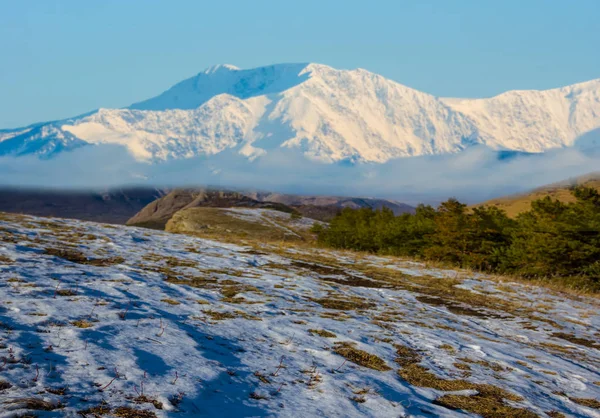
(327, 114)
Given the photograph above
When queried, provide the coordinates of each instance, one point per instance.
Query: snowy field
(98, 320)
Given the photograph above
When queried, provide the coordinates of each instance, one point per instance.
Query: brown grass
(82, 323)
(406, 355)
(35, 404)
(347, 304)
(145, 399)
(576, 340)
(322, 333)
(95, 410)
(66, 292)
(360, 357)
(127, 412)
(488, 402)
(590, 403)
(61, 391)
(78, 257)
(515, 204)
(170, 301)
(225, 226)
(221, 316)
(4, 385)
(230, 290)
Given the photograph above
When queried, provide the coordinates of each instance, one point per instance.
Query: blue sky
(63, 58)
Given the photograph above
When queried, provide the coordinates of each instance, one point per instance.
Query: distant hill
(157, 213)
(110, 206)
(515, 204)
(322, 208)
(240, 222)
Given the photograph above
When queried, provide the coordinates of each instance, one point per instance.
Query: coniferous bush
(551, 240)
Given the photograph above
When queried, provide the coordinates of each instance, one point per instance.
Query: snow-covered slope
(329, 115)
(128, 322)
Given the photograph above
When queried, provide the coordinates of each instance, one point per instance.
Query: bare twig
(279, 367)
(113, 379)
(342, 365)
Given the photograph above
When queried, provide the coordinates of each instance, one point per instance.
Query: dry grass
(484, 363)
(406, 355)
(170, 301)
(78, 257)
(322, 333)
(221, 316)
(516, 204)
(82, 323)
(448, 348)
(590, 403)
(430, 290)
(226, 226)
(360, 357)
(61, 391)
(35, 404)
(230, 290)
(145, 399)
(178, 262)
(347, 304)
(576, 340)
(488, 402)
(330, 259)
(4, 385)
(128, 412)
(95, 411)
(66, 292)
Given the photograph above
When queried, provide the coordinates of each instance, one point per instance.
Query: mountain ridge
(326, 114)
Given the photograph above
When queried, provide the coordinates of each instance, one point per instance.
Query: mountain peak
(227, 79)
(220, 68)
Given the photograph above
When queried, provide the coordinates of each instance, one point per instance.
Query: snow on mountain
(329, 115)
(534, 121)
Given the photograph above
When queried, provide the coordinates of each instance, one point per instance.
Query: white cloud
(473, 175)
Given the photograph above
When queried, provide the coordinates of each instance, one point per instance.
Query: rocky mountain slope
(97, 320)
(326, 114)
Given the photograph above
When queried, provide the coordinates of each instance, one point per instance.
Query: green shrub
(553, 240)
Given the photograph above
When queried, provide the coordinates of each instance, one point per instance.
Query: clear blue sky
(60, 58)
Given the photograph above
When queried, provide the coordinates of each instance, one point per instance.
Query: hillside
(158, 212)
(323, 208)
(110, 206)
(235, 223)
(325, 114)
(130, 322)
(515, 204)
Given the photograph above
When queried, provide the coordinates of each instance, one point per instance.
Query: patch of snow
(247, 367)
